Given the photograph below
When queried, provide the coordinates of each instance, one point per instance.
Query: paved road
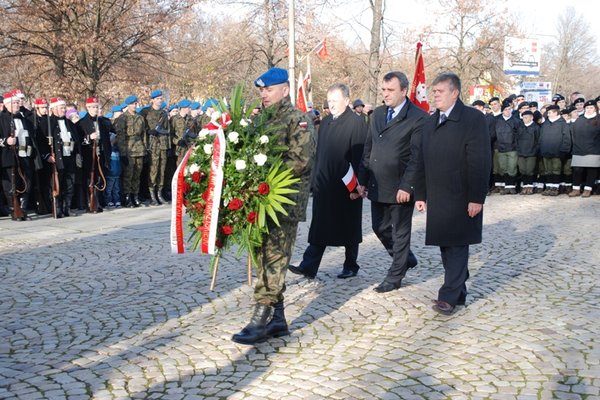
(95, 306)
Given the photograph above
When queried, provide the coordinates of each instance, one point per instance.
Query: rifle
(92, 187)
(55, 182)
(17, 211)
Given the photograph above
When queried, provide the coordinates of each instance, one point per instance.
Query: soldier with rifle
(94, 131)
(19, 156)
(159, 144)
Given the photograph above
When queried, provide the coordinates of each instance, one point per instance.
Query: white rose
(260, 159)
(233, 137)
(208, 148)
(203, 134)
(194, 168)
(215, 116)
(243, 122)
(240, 165)
(264, 139)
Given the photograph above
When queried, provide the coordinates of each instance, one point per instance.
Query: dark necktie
(390, 113)
(443, 118)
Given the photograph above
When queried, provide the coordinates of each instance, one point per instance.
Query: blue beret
(82, 114)
(156, 93)
(274, 76)
(195, 105)
(184, 103)
(138, 109)
(173, 106)
(118, 108)
(130, 100)
(162, 105)
(210, 103)
(108, 115)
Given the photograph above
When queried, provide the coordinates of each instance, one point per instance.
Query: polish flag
(350, 179)
(418, 91)
(321, 50)
(301, 95)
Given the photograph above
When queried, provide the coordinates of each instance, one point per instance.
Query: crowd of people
(55, 158)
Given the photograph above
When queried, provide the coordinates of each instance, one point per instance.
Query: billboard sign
(521, 56)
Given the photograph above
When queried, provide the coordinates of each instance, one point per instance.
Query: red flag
(321, 50)
(418, 92)
(301, 95)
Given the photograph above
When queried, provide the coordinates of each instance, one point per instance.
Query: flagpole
(292, 47)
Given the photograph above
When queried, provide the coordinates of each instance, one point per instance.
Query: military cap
(195, 105)
(130, 100)
(512, 97)
(579, 100)
(533, 104)
(274, 76)
(557, 97)
(506, 104)
(156, 93)
(40, 102)
(494, 99)
(358, 103)
(54, 101)
(479, 103)
(567, 110)
(91, 100)
(523, 104)
(528, 112)
(185, 103)
(590, 103)
(552, 107)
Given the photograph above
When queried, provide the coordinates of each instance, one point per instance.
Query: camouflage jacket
(298, 134)
(131, 131)
(157, 123)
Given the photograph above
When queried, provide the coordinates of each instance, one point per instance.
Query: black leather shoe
(412, 262)
(347, 273)
(386, 286)
(443, 308)
(300, 271)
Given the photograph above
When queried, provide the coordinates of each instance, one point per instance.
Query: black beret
(590, 103)
(533, 104)
(579, 100)
(523, 104)
(506, 104)
(552, 107)
(512, 97)
(479, 103)
(528, 112)
(558, 97)
(498, 99)
(567, 110)
(598, 98)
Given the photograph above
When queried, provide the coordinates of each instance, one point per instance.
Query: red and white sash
(215, 186)
(177, 205)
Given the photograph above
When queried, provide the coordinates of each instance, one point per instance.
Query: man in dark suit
(387, 173)
(453, 173)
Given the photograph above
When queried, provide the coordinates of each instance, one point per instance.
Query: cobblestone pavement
(95, 306)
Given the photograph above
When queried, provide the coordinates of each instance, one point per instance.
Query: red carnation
(205, 195)
(227, 230)
(235, 204)
(199, 207)
(218, 244)
(252, 217)
(263, 188)
(186, 187)
(196, 176)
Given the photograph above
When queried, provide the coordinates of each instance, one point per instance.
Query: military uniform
(179, 127)
(157, 123)
(131, 132)
(297, 133)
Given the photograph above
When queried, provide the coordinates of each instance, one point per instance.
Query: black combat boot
(256, 330)
(160, 196)
(153, 200)
(278, 326)
(136, 201)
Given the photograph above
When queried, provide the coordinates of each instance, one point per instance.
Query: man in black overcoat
(336, 215)
(453, 166)
(387, 173)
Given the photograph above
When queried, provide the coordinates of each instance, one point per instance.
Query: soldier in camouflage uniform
(159, 141)
(297, 133)
(191, 132)
(131, 134)
(179, 125)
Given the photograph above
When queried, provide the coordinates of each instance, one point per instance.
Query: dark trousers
(585, 176)
(456, 272)
(314, 253)
(392, 224)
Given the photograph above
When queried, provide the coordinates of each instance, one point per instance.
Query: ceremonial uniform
(159, 143)
(555, 144)
(528, 136)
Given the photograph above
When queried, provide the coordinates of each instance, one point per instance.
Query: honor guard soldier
(159, 141)
(60, 146)
(131, 133)
(94, 131)
(191, 133)
(19, 156)
(295, 131)
(179, 124)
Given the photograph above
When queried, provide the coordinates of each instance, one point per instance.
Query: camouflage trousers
(158, 162)
(273, 260)
(131, 175)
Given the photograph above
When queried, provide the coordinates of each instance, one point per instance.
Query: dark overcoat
(336, 220)
(454, 165)
(387, 164)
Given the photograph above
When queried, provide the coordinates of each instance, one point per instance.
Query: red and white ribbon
(215, 186)
(177, 246)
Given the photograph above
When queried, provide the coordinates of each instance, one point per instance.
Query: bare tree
(374, 50)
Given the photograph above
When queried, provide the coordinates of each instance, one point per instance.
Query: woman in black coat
(586, 150)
